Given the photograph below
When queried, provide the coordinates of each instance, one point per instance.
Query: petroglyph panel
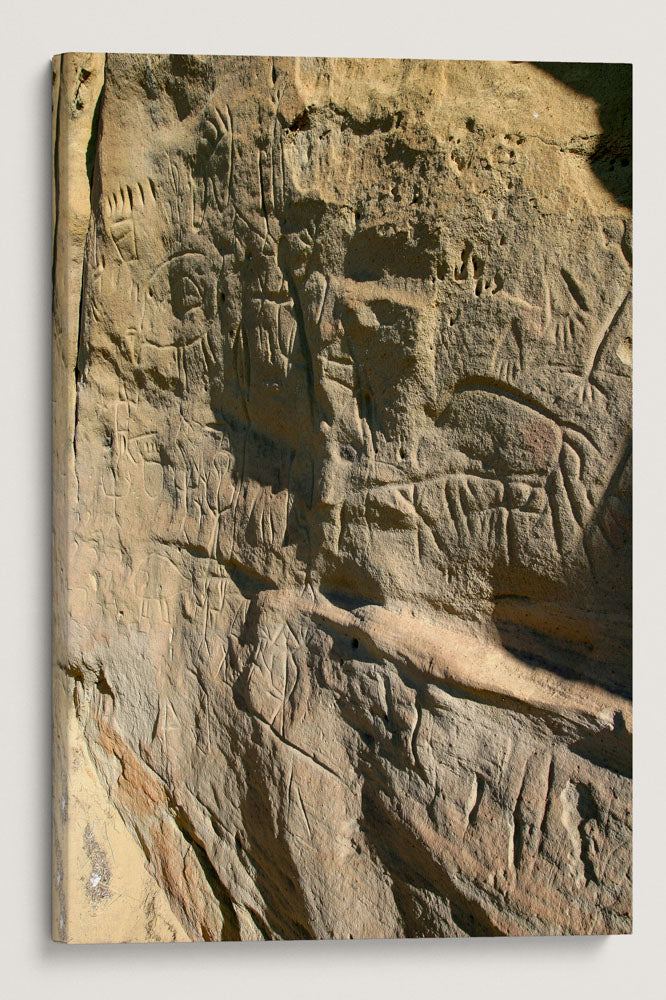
(349, 526)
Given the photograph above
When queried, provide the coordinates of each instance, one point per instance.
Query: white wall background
(30, 965)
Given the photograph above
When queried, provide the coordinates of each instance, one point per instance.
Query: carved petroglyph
(350, 562)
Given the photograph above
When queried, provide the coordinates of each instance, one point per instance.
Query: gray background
(509, 29)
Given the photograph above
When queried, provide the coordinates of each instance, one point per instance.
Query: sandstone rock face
(343, 372)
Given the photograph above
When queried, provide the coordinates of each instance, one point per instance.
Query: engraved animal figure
(515, 458)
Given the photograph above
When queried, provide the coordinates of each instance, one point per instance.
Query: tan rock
(342, 478)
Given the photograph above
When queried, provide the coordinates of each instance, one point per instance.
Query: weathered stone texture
(346, 458)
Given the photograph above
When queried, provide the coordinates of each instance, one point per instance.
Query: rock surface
(342, 373)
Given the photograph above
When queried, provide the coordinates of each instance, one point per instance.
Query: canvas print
(342, 498)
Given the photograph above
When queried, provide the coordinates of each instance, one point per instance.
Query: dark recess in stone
(610, 84)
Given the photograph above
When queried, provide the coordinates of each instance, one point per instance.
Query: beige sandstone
(342, 498)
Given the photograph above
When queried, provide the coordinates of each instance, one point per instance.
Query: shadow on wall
(610, 84)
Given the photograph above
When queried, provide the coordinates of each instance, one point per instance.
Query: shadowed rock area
(342, 460)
